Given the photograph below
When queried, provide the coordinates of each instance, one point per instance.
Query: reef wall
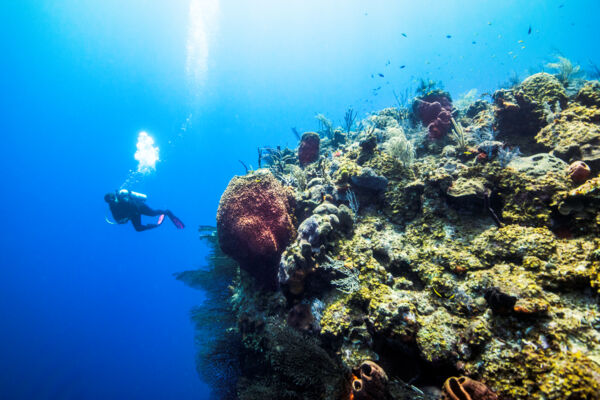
(427, 257)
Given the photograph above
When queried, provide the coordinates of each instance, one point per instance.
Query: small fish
(381, 75)
(473, 42)
(544, 342)
(404, 34)
(416, 389)
(522, 47)
(520, 41)
(561, 6)
(372, 76)
(529, 30)
(402, 66)
(448, 36)
(489, 23)
(387, 63)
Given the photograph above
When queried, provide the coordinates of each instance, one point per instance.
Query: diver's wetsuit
(143, 209)
(124, 207)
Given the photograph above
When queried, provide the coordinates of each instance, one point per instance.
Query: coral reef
(522, 111)
(424, 268)
(574, 133)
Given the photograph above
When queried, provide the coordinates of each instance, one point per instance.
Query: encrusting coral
(521, 112)
(574, 133)
(395, 265)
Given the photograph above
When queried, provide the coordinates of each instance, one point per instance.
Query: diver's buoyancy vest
(131, 198)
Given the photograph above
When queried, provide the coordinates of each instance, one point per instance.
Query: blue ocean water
(91, 310)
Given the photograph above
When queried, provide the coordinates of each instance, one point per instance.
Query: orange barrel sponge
(369, 382)
(255, 224)
(465, 388)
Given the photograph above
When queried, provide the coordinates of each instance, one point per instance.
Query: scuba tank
(128, 195)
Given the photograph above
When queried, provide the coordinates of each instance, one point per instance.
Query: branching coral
(276, 159)
(349, 119)
(459, 135)
(325, 126)
(399, 147)
(566, 71)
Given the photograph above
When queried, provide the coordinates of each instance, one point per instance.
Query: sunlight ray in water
(202, 23)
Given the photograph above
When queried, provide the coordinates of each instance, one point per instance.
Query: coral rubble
(400, 257)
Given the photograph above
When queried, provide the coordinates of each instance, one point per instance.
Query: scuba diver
(126, 205)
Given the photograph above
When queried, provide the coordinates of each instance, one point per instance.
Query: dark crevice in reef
(401, 269)
(403, 361)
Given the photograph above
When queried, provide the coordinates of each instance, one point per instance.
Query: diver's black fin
(177, 222)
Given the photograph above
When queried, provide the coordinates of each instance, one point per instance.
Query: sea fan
(217, 338)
